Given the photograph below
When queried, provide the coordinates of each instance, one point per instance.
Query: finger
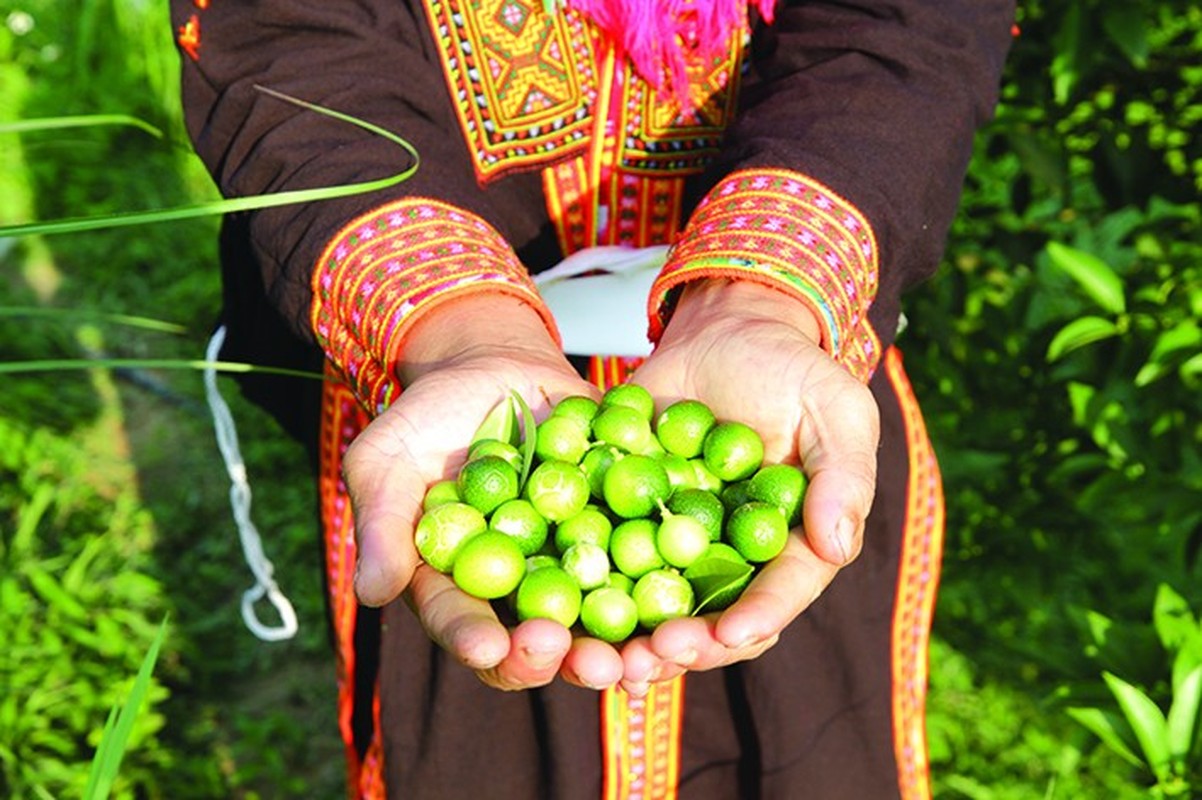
(785, 587)
(838, 440)
(592, 664)
(536, 653)
(640, 664)
(386, 494)
(691, 643)
(463, 625)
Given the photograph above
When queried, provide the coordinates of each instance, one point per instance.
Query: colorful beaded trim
(784, 230)
(381, 272)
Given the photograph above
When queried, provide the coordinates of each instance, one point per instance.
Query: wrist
(712, 301)
(473, 326)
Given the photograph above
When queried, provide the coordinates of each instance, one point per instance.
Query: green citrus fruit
(495, 447)
(618, 580)
(703, 506)
(440, 493)
(661, 595)
(735, 494)
(489, 565)
(782, 485)
(594, 466)
(681, 474)
(519, 519)
(561, 438)
(486, 482)
(540, 560)
(549, 593)
(577, 407)
(590, 525)
(634, 486)
(442, 530)
(682, 427)
(557, 490)
(630, 395)
(705, 478)
(632, 547)
(587, 563)
(758, 531)
(681, 539)
(609, 614)
(622, 427)
(733, 451)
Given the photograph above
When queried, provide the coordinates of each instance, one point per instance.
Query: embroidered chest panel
(532, 89)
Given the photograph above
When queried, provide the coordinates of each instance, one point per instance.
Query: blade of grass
(229, 206)
(79, 121)
(63, 364)
(76, 314)
(107, 761)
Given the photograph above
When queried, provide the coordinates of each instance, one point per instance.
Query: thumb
(386, 491)
(838, 440)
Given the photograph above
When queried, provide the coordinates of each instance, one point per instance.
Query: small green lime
(782, 485)
(442, 530)
(519, 519)
(590, 525)
(681, 474)
(622, 427)
(733, 451)
(759, 531)
(557, 489)
(561, 439)
(609, 614)
(735, 494)
(594, 466)
(549, 593)
(577, 407)
(632, 547)
(630, 395)
(706, 479)
(681, 427)
(495, 447)
(661, 595)
(440, 493)
(681, 539)
(540, 560)
(486, 482)
(703, 506)
(489, 565)
(587, 563)
(621, 581)
(634, 486)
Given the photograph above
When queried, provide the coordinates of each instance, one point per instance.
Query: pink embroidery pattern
(790, 232)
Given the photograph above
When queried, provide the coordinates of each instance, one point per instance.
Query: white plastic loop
(252, 543)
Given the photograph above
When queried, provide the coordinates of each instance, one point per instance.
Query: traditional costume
(816, 147)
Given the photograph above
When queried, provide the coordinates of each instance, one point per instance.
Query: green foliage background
(1058, 355)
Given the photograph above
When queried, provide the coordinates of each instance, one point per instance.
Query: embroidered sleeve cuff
(787, 231)
(385, 269)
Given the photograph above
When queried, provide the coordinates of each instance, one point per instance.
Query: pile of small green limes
(611, 516)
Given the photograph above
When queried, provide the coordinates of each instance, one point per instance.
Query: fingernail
(540, 659)
(685, 658)
(845, 531)
(636, 689)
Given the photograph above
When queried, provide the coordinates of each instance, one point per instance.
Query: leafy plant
(1155, 723)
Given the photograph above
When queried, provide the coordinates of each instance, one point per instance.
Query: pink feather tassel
(659, 35)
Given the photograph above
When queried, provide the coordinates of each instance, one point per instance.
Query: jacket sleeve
(373, 59)
(856, 122)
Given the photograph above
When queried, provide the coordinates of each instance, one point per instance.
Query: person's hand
(460, 361)
(752, 354)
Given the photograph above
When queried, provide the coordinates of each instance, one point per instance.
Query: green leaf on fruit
(501, 424)
(528, 439)
(717, 581)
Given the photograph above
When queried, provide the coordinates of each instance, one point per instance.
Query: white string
(252, 544)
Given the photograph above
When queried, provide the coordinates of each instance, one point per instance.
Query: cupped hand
(752, 354)
(459, 361)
